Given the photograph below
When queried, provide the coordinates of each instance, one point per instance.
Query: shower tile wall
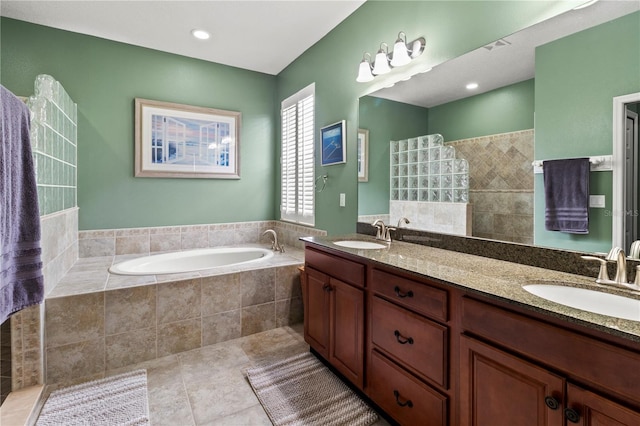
(500, 184)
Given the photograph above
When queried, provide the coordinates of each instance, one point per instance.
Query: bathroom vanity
(435, 337)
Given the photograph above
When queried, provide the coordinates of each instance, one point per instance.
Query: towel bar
(598, 164)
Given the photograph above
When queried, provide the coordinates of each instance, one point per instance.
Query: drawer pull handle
(572, 415)
(551, 402)
(408, 403)
(401, 339)
(327, 288)
(402, 295)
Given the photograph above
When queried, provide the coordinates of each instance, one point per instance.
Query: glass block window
(53, 145)
(423, 169)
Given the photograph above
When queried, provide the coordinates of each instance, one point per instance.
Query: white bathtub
(190, 261)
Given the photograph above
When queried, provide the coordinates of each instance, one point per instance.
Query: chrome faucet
(403, 220)
(275, 246)
(381, 229)
(384, 231)
(616, 254)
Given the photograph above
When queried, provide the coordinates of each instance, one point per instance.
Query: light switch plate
(342, 199)
(596, 201)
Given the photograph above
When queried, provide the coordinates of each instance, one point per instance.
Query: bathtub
(190, 260)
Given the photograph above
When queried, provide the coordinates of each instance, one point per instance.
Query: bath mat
(302, 391)
(117, 400)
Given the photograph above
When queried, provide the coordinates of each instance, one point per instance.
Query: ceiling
(509, 64)
(259, 35)
(267, 35)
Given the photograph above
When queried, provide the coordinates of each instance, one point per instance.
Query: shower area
(54, 148)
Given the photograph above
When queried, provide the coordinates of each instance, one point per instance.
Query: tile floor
(207, 386)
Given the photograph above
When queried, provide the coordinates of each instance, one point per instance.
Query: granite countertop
(494, 278)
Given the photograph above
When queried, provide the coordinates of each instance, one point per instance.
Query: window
(297, 160)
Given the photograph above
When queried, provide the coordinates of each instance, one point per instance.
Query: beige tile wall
(112, 242)
(91, 333)
(447, 218)
(59, 243)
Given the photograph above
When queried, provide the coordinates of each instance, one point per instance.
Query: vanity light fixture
(403, 53)
(381, 64)
(200, 34)
(364, 73)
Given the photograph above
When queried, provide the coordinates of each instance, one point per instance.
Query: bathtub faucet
(275, 246)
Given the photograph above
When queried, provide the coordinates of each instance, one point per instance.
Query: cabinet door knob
(551, 402)
(407, 403)
(327, 288)
(572, 415)
(401, 339)
(402, 295)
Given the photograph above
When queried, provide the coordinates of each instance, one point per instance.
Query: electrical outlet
(342, 199)
(596, 201)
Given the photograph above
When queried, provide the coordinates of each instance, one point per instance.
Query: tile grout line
(184, 388)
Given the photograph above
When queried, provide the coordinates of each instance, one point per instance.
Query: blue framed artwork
(332, 140)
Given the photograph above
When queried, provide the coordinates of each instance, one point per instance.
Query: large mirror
(545, 92)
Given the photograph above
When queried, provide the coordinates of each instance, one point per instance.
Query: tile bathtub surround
(110, 242)
(59, 243)
(89, 333)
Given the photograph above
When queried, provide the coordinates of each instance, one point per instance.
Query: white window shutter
(297, 157)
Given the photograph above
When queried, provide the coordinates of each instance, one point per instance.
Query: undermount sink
(588, 300)
(356, 244)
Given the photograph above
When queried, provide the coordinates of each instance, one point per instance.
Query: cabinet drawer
(345, 270)
(403, 397)
(415, 342)
(426, 300)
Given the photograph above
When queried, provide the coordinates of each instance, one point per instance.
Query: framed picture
(332, 138)
(183, 141)
(363, 155)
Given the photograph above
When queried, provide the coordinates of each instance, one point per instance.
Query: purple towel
(566, 195)
(21, 280)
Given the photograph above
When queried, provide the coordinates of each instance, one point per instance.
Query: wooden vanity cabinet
(334, 312)
(408, 349)
(515, 369)
(437, 354)
(500, 389)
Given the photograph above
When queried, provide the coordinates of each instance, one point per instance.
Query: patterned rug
(302, 391)
(117, 400)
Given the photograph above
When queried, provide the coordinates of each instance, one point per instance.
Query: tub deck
(96, 321)
(90, 274)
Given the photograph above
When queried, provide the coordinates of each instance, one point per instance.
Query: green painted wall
(386, 121)
(103, 78)
(503, 110)
(450, 28)
(576, 80)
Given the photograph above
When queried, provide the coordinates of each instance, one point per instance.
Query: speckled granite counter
(494, 278)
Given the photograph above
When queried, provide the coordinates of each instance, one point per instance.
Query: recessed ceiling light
(472, 86)
(200, 34)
